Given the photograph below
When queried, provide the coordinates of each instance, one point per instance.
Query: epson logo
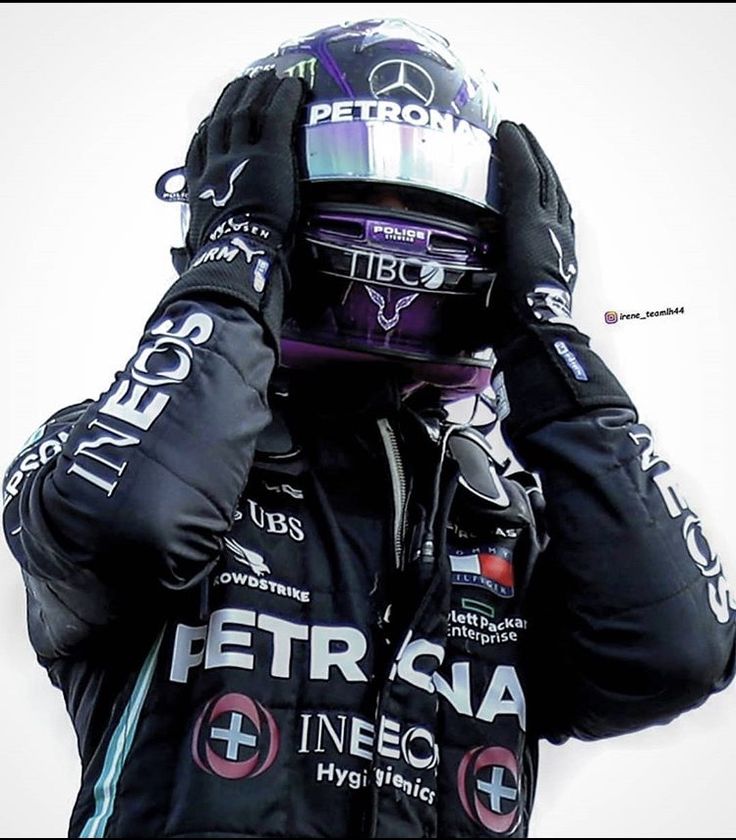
(34, 460)
(367, 110)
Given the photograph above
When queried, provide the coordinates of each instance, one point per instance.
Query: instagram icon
(610, 317)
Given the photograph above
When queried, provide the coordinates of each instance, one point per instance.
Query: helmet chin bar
(454, 381)
(408, 206)
(402, 248)
(380, 282)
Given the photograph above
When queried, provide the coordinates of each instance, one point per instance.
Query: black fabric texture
(539, 264)
(242, 188)
(241, 654)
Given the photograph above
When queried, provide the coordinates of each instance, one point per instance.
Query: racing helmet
(398, 241)
(399, 236)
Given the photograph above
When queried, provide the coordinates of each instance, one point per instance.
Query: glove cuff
(547, 373)
(244, 271)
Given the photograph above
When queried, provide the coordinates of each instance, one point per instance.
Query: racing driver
(283, 593)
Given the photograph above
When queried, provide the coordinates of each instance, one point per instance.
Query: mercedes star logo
(400, 75)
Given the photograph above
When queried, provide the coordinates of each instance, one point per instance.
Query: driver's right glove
(242, 182)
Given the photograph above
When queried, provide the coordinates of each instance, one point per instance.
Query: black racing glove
(539, 271)
(546, 369)
(242, 184)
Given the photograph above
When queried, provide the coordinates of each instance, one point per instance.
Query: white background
(634, 104)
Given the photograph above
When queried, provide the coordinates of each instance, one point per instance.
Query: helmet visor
(451, 161)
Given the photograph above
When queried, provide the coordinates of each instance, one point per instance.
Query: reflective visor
(450, 157)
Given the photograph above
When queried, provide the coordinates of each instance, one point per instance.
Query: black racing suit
(322, 613)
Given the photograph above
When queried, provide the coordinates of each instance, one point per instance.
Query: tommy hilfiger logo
(488, 568)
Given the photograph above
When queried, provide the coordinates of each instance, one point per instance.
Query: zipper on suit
(398, 483)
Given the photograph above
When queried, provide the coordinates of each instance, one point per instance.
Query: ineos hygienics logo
(397, 75)
(235, 737)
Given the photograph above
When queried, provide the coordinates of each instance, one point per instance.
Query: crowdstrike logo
(235, 737)
(249, 558)
(488, 786)
(258, 575)
(398, 76)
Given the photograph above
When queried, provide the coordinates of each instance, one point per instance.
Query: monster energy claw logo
(303, 70)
